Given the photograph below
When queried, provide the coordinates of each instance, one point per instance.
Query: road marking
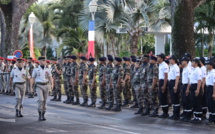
(7, 120)
(54, 130)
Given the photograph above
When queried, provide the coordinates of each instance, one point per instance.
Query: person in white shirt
(41, 77)
(173, 78)
(203, 87)
(188, 55)
(210, 91)
(195, 91)
(163, 78)
(186, 100)
(18, 77)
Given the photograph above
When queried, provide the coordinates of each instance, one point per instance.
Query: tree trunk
(211, 44)
(183, 26)
(2, 24)
(134, 45)
(13, 13)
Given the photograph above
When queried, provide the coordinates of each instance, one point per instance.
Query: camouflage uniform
(65, 82)
(57, 82)
(102, 71)
(117, 85)
(137, 88)
(74, 70)
(152, 73)
(83, 69)
(126, 85)
(109, 69)
(132, 73)
(92, 74)
(69, 90)
(144, 87)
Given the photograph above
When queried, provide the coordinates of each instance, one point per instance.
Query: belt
(209, 86)
(40, 83)
(171, 80)
(20, 83)
(185, 84)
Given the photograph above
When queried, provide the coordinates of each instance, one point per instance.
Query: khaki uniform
(41, 80)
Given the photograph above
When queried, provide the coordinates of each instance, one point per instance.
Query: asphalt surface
(69, 119)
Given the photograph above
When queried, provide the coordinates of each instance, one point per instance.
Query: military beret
(145, 56)
(73, 57)
(91, 59)
(133, 57)
(110, 58)
(124, 58)
(1, 58)
(185, 58)
(105, 58)
(134, 60)
(41, 58)
(167, 61)
(153, 58)
(162, 56)
(48, 61)
(138, 60)
(83, 58)
(118, 59)
(101, 59)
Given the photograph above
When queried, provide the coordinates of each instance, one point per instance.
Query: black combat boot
(54, 99)
(17, 113)
(59, 98)
(155, 113)
(40, 116)
(71, 100)
(110, 106)
(147, 112)
(20, 114)
(102, 106)
(117, 108)
(77, 102)
(43, 116)
(30, 95)
(140, 111)
(93, 104)
(134, 106)
(125, 104)
(84, 103)
(66, 99)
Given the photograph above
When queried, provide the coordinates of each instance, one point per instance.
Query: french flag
(91, 40)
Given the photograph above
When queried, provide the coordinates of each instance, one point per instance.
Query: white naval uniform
(19, 79)
(41, 80)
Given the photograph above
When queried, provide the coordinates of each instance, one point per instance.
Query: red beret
(48, 61)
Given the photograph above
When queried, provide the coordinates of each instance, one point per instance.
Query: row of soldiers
(152, 81)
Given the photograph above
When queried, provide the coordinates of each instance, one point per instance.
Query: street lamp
(91, 31)
(31, 19)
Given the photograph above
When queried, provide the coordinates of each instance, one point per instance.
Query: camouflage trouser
(57, 87)
(133, 93)
(83, 90)
(138, 92)
(65, 85)
(127, 91)
(153, 96)
(109, 91)
(117, 94)
(75, 89)
(93, 92)
(145, 94)
(1, 82)
(102, 89)
(69, 87)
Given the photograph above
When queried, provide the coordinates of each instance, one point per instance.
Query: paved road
(69, 119)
